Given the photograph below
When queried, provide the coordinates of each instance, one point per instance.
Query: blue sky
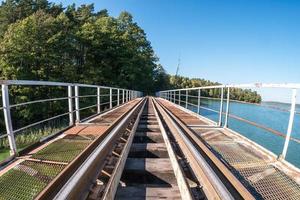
(232, 41)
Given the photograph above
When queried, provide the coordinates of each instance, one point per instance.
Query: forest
(40, 40)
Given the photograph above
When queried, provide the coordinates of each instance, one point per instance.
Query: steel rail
(213, 186)
(52, 189)
(183, 186)
(76, 179)
(112, 185)
(197, 146)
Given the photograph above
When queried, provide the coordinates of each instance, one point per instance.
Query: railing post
(77, 103)
(179, 99)
(7, 119)
(227, 107)
(221, 107)
(98, 100)
(174, 95)
(290, 126)
(199, 96)
(70, 102)
(186, 98)
(123, 96)
(118, 99)
(110, 98)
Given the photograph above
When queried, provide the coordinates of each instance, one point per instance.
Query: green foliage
(43, 41)
(77, 45)
(246, 95)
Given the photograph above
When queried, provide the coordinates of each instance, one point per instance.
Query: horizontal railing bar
(278, 133)
(191, 104)
(3, 136)
(210, 109)
(251, 85)
(87, 107)
(40, 83)
(39, 122)
(86, 96)
(51, 83)
(38, 101)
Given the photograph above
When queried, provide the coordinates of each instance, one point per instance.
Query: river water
(276, 119)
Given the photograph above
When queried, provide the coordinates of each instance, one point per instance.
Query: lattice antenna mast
(177, 70)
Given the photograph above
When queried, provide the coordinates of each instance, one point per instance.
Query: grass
(4, 153)
(27, 138)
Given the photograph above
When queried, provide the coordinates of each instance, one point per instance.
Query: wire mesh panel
(33, 176)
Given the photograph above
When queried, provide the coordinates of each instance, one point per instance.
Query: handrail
(116, 95)
(52, 83)
(175, 96)
(250, 85)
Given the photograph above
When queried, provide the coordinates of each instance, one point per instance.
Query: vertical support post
(179, 99)
(70, 103)
(221, 107)
(290, 126)
(199, 97)
(123, 96)
(77, 103)
(7, 119)
(174, 95)
(227, 107)
(98, 100)
(110, 98)
(118, 99)
(186, 98)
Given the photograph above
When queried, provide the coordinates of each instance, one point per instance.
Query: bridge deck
(156, 164)
(259, 170)
(29, 174)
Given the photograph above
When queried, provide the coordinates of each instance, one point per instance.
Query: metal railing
(184, 96)
(104, 96)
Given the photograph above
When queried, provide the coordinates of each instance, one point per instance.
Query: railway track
(149, 158)
(141, 150)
